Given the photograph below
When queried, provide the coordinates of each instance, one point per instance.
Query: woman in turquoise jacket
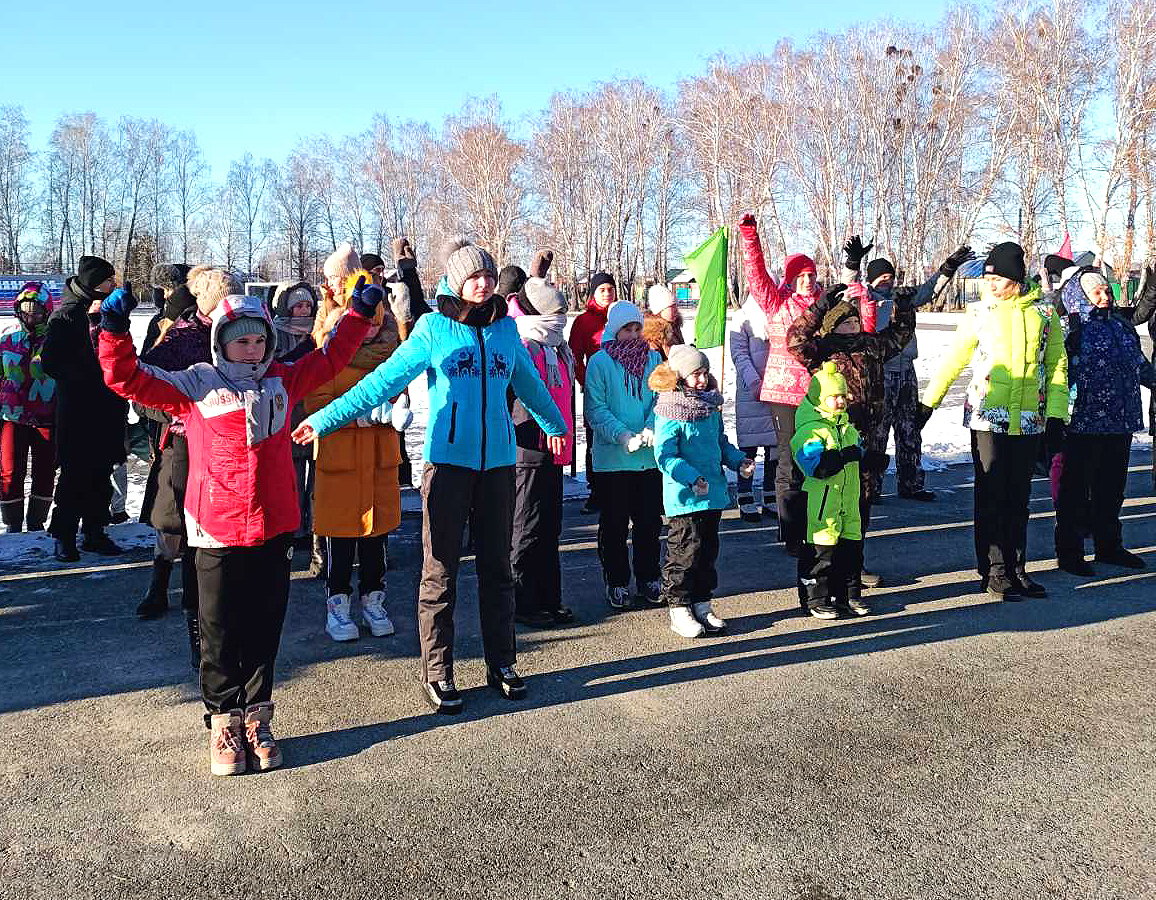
(691, 449)
(619, 408)
(471, 354)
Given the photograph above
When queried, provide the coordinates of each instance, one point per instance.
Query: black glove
(1054, 433)
(830, 463)
(854, 251)
(829, 298)
(875, 461)
(366, 298)
(904, 297)
(922, 415)
(851, 454)
(116, 308)
(951, 265)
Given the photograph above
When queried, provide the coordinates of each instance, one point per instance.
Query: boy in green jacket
(827, 449)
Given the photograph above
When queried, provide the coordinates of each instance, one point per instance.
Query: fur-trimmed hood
(664, 379)
(657, 331)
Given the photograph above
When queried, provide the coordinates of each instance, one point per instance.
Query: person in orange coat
(356, 496)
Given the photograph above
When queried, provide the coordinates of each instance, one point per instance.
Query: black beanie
(92, 270)
(596, 281)
(1006, 259)
(370, 261)
(1055, 265)
(878, 267)
(510, 281)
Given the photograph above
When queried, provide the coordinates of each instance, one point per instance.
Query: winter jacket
(27, 392)
(356, 491)
(883, 305)
(858, 357)
(661, 334)
(586, 338)
(1106, 367)
(784, 378)
(90, 418)
(754, 424)
(686, 450)
(1019, 368)
(530, 438)
(185, 342)
(241, 490)
(616, 404)
(468, 369)
(832, 496)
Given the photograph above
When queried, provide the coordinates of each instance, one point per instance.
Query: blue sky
(255, 75)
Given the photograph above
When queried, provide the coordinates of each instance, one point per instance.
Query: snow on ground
(945, 440)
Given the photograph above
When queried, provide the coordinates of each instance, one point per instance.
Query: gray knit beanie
(239, 328)
(685, 359)
(467, 261)
(545, 299)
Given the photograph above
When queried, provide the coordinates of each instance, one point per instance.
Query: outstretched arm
(760, 283)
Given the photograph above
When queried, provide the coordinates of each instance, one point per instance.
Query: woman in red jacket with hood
(585, 340)
(785, 379)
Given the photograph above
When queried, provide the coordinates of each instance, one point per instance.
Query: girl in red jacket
(241, 500)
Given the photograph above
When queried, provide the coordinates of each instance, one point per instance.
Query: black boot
(65, 550)
(38, 512)
(12, 515)
(194, 639)
(156, 601)
(189, 601)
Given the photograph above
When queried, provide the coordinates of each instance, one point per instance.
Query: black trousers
(537, 530)
(243, 595)
(591, 475)
(1091, 492)
(629, 501)
(689, 574)
(790, 499)
(1004, 465)
(370, 554)
(83, 491)
(450, 496)
(831, 571)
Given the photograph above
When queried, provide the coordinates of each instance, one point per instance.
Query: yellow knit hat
(830, 381)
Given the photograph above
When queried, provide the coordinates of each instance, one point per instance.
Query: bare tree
(17, 195)
(248, 182)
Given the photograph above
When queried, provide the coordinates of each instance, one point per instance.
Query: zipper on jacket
(482, 343)
(453, 420)
(823, 502)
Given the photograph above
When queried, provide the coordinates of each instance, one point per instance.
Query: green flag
(708, 265)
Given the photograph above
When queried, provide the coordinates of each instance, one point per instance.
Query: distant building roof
(683, 277)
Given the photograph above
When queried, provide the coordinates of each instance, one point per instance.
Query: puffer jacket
(468, 369)
(612, 407)
(1019, 367)
(1106, 367)
(27, 392)
(785, 379)
(858, 357)
(241, 490)
(687, 449)
(833, 500)
(356, 491)
(754, 423)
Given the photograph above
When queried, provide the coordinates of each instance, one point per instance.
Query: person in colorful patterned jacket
(240, 502)
(27, 410)
(1106, 367)
(1017, 397)
(471, 354)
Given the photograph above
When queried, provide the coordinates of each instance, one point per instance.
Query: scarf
(299, 325)
(547, 333)
(632, 355)
(476, 315)
(685, 405)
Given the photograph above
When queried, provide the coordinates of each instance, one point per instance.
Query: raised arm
(759, 281)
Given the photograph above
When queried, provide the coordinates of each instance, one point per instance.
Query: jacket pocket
(453, 421)
(338, 451)
(388, 448)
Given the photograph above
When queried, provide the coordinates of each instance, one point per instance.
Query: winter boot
(156, 601)
(711, 623)
(506, 681)
(194, 626)
(1118, 556)
(337, 622)
(683, 623)
(748, 509)
(101, 544)
(822, 608)
(12, 515)
(263, 751)
(650, 593)
(374, 616)
(1074, 563)
(38, 512)
(317, 560)
(227, 744)
(65, 550)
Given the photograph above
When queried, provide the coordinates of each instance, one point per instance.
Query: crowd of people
(279, 425)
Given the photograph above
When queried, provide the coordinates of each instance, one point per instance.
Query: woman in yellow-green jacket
(1018, 395)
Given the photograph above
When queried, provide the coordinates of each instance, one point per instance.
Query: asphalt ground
(947, 746)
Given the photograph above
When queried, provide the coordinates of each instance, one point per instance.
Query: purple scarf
(632, 355)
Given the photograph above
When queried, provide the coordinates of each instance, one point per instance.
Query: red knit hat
(796, 265)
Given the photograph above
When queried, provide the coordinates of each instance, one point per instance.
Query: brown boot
(263, 749)
(227, 744)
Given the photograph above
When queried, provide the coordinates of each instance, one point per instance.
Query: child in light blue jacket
(691, 449)
(619, 408)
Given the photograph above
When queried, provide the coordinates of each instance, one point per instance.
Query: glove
(636, 442)
(700, 487)
(366, 298)
(875, 461)
(854, 251)
(403, 255)
(851, 454)
(647, 436)
(402, 416)
(1054, 433)
(115, 309)
(831, 462)
(904, 297)
(829, 298)
(747, 468)
(626, 439)
(748, 221)
(951, 265)
(541, 264)
(922, 416)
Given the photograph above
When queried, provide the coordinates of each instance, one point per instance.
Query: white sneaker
(374, 615)
(683, 623)
(337, 621)
(710, 622)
